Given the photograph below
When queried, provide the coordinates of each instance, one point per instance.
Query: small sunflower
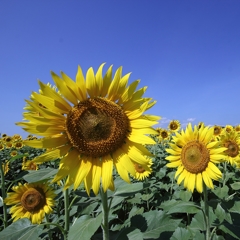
(93, 125)
(231, 141)
(4, 135)
(14, 153)
(8, 139)
(29, 165)
(164, 134)
(18, 145)
(194, 155)
(142, 172)
(217, 130)
(228, 128)
(16, 137)
(31, 200)
(174, 125)
(237, 128)
(8, 144)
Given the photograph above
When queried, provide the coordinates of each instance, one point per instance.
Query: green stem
(206, 211)
(48, 227)
(3, 194)
(224, 172)
(66, 206)
(105, 210)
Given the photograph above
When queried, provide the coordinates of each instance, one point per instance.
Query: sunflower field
(95, 166)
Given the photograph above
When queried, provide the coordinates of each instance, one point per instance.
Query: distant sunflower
(4, 135)
(14, 153)
(164, 134)
(217, 130)
(142, 172)
(31, 200)
(16, 137)
(194, 155)
(29, 165)
(237, 128)
(174, 125)
(228, 128)
(8, 144)
(231, 141)
(18, 145)
(92, 126)
(8, 139)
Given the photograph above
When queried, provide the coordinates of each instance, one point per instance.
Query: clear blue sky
(186, 52)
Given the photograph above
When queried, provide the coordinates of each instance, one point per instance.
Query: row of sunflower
(96, 136)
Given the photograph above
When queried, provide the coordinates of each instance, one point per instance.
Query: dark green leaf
(84, 227)
(235, 186)
(226, 230)
(221, 192)
(21, 229)
(181, 234)
(184, 207)
(128, 189)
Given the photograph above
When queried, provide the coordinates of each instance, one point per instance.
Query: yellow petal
(199, 183)
(81, 84)
(107, 167)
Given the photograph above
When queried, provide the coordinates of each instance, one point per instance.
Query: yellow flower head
(29, 165)
(174, 126)
(1, 146)
(31, 200)
(16, 137)
(92, 124)
(4, 135)
(217, 130)
(14, 153)
(228, 128)
(142, 172)
(8, 144)
(231, 140)
(237, 128)
(201, 125)
(194, 154)
(18, 145)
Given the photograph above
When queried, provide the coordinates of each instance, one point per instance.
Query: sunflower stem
(3, 194)
(224, 173)
(206, 211)
(66, 206)
(105, 210)
(48, 227)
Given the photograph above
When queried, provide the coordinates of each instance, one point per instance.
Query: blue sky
(186, 52)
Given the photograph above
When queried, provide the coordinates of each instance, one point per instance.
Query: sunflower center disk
(233, 148)
(195, 157)
(97, 127)
(33, 199)
(139, 168)
(173, 126)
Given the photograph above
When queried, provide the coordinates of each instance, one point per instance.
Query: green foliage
(156, 208)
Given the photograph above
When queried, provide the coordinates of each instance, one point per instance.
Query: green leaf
(226, 230)
(21, 230)
(198, 222)
(235, 186)
(157, 223)
(128, 189)
(236, 207)
(181, 234)
(221, 192)
(184, 207)
(40, 175)
(84, 227)
(136, 234)
(220, 213)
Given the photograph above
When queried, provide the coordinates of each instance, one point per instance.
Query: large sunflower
(231, 140)
(194, 155)
(31, 200)
(93, 125)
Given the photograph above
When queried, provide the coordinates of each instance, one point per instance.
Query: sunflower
(164, 134)
(31, 200)
(4, 135)
(142, 172)
(217, 130)
(231, 141)
(237, 128)
(174, 125)
(228, 128)
(14, 153)
(17, 137)
(29, 165)
(8, 144)
(92, 125)
(18, 145)
(194, 155)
